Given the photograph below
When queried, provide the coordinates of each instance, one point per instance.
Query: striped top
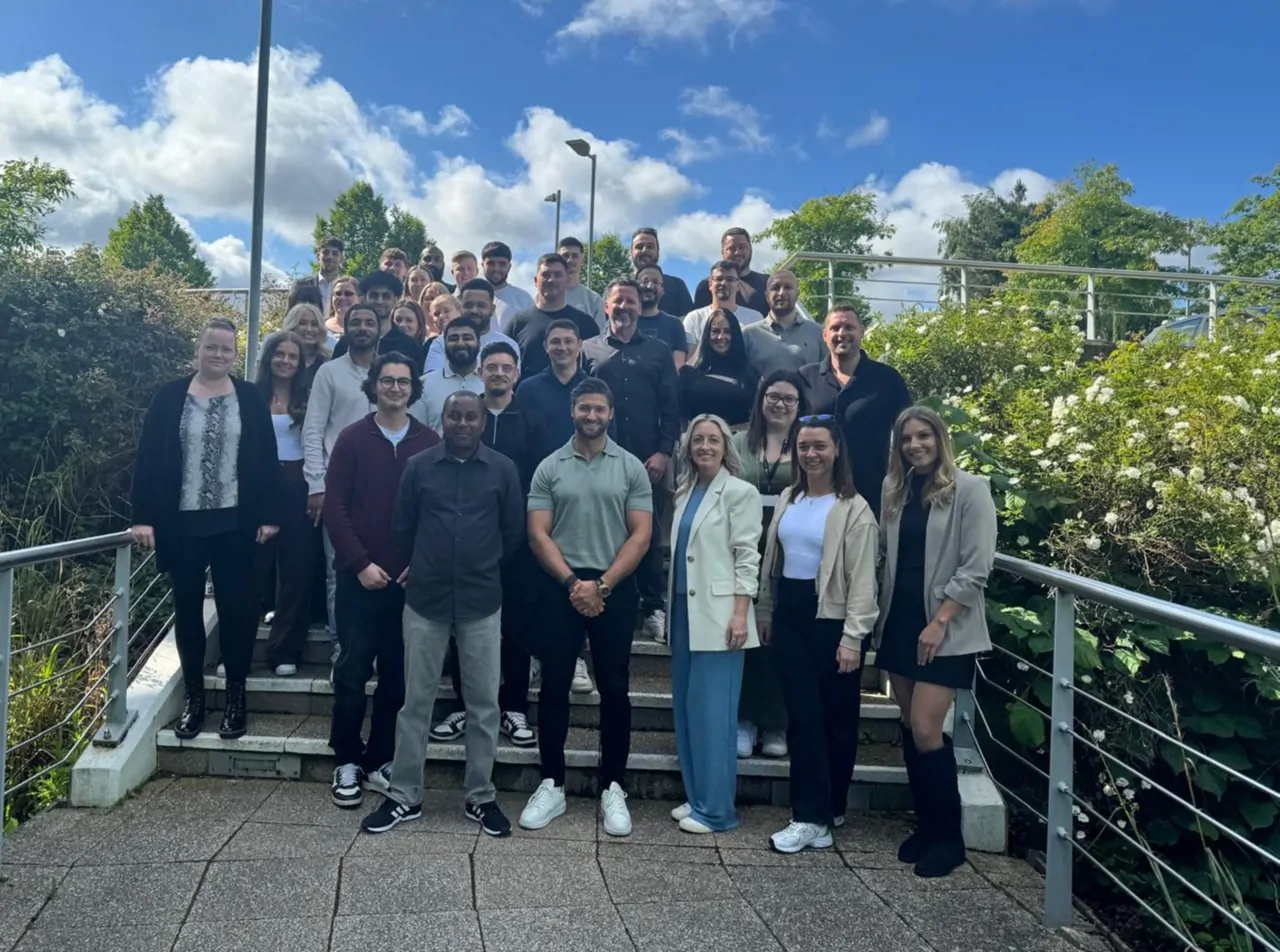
(210, 432)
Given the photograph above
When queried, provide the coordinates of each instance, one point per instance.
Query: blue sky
(709, 112)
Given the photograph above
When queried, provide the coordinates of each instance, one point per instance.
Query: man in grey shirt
(784, 340)
(576, 293)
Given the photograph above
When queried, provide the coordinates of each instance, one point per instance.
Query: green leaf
(1209, 779)
(1127, 661)
(1205, 702)
(1042, 688)
(1259, 812)
(1040, 644)
(1086, 651)
(1026, 725)
(1216, 725)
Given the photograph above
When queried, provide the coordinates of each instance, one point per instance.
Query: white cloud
(535, 8)
(744, 121)
(695, 236)
(656, 20)
(453, 121)
(875, 130)
(689, 148)
(825, 129)
(228, 259)
(1037, 185)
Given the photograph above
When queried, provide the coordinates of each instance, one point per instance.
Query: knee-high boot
(940, 787)
(914, 846)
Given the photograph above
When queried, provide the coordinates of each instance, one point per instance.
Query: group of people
(486, 474)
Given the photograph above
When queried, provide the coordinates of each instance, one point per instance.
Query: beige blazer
(959, 553)
(722, 560)
(846, 579)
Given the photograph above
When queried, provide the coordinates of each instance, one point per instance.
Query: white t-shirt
(517, 299)
(288, 438)
(800, 532)
(395, 436)
(436, 357)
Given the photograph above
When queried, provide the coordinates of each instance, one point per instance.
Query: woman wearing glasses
(939, 541)
(765, 450)
(817, 607)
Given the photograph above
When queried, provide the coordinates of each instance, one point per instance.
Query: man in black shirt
(864, 395)
(640, 372)
(644, 252)
(735, 246)
(529, 328)
(380, 290)
(433, 261)
(653, 322)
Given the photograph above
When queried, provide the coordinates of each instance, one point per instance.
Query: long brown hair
(265, 379)
(841, 473)
(940, 486)
(408, 303)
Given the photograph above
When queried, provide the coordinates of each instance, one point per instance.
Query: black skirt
(900, 641)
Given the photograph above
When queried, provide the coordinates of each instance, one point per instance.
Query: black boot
(914, 846)
(192, 720)
(235, 716)
(941, 788)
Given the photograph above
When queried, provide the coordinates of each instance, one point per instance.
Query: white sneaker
(222, 671)
(801, 836)
(746, 739)
(690, 825)
(682, 811)
(379, 780)
(545, 805)
(286, 670)
(268, 618)
(617, 818)
(774, 744)
(581, 683)
(655, 626)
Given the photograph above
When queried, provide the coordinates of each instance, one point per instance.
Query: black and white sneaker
(346, 789)
(491, 819)
(516, 726)
(451, 728)
(389, 815)
(379, 780)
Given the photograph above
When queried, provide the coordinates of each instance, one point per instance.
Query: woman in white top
(817, 607)
(282, 381)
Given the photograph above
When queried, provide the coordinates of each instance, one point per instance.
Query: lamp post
(583, 148)
(555, 197)
(259, 191)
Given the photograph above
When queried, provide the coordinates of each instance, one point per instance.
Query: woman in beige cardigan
(715, 574)
(938, 538)
(818, 606)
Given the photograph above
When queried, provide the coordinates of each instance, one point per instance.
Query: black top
(668, 329)
(755, 283)
(393, 340)
(675, 296)
(906, 609)
(157, 472)
(529, 330)
(866, 408)
(460, 521)
(727, 397)
(642, 376)
(545, 397)
(520, 436)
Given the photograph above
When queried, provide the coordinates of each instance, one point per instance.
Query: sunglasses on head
(817, 418)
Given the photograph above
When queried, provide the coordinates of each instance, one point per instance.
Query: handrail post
(1213, 308)
(1058, 846)
(6, 646)
(831, 285)
(118, 719)
(1090, 309)
(965, 744)
(964, 287)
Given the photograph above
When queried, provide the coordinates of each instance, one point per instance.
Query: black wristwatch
(571, 581)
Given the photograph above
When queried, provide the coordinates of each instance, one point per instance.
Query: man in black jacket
(380, 290)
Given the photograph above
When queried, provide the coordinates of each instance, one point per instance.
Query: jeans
(369, 623)
(824, 707)
(291, 554)
(650, 577)
(330, 585)
(229, 557)
(610, 636)
(425, 643)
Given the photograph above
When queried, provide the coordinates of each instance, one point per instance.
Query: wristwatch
(603, 587)
(570, 581)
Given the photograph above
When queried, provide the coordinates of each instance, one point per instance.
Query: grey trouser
(479, 652)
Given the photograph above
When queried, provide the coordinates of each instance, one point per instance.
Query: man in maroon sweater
(361, 484)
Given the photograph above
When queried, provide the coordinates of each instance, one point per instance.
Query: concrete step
(295, 746)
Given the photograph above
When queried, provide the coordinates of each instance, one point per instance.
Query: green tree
(610, 259)
(150, 235)
(990, 230)
(362, 219)
(29, 190)
(1249, 241)
(838, 224)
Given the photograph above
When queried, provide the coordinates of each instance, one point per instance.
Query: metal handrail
(72, 548)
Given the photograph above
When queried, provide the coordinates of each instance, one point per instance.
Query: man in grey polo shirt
(590, 515)
(783, 340)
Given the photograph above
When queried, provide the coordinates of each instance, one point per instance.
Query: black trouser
(370, 626)
(650, 578)
(518, 614)
(291, 553)
(610, 636)
(824, 707)
(229, 557)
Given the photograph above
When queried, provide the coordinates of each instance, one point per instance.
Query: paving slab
(423, 932)
(411, 839)
(973, 920)
(122, 895)
(728, 925)
(578, 822)
(651, 824)
(278, 841)
(755, 825)
(307, 804)
(872, 833)
(256, 935)
(130, 938)
(160, 834)
(625, 849)
(208, 794)
(410, 884)
(828, 859)
(889, 881)
(59, 837)
(10, 930)
(267, 889)
(24, 890)
(835, 923)
(1006, 871)
(582, 929)
(632, 881)
(521, 844)
(538, 881)
(754, 882)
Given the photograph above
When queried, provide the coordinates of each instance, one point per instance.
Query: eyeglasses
(817, 418)
(782, 399)
(393, 383)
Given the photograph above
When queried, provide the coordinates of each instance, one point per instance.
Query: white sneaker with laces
(617, 818)
(581, 683)
(774, 744)
(221, 670)
(516, 728)
(451, 729)
(746, 739)
(545, 805)
(379, 780)
(286, 670)
(655, 626)
(801, 836)
(682, 811)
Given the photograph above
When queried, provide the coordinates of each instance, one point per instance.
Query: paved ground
(203, 864)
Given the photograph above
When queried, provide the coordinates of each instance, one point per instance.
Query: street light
(555, 197)
(583, 148)
(259, 190)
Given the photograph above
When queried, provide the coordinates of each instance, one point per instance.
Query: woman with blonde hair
(938, 542)
(344, 292)
(415, 279)
(307, 322)
(432, 291)
(715, 575)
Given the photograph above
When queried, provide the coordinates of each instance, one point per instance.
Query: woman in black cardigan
(205, 490)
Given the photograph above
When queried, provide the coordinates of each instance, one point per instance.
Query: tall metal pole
(591, 219)
(557, 219)
(259, 190)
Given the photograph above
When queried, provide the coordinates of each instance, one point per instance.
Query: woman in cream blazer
(715, 571)
(938, 537)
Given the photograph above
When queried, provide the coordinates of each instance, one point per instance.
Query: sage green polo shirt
(589, 501)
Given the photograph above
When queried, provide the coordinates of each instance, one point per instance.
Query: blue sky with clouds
(706, 113)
